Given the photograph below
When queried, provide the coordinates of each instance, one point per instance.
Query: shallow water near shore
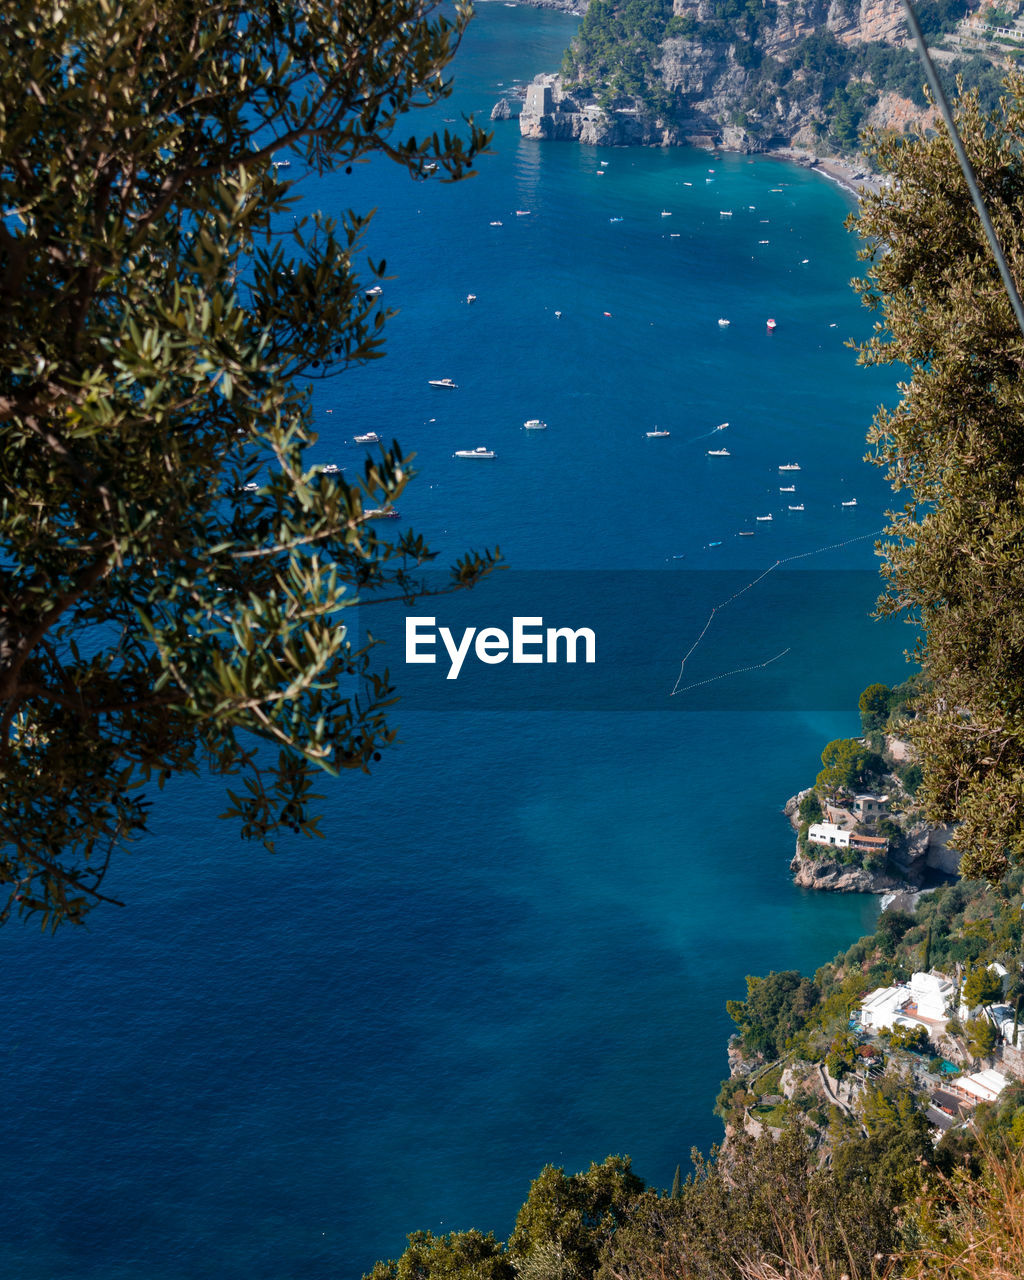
(515, 944)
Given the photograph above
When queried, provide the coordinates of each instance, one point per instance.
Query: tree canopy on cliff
(954, 446)
(160, 332)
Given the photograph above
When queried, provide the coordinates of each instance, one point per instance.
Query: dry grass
(979, 1234)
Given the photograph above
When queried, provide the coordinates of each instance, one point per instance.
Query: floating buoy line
(679, 687)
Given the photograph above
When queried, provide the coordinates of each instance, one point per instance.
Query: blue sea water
(515, 944)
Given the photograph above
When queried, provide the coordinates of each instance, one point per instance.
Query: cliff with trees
(752, 76)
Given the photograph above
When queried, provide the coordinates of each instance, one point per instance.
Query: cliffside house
(923, 1002)
(831, 834)
(862, 809)
(983, 1086)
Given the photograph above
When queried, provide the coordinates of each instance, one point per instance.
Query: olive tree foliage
(163, 315)
(954, 447)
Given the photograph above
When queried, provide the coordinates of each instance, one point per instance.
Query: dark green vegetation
(617, 54)
(159, 335)
(604, 1223)
(616, 49)
(954, 449)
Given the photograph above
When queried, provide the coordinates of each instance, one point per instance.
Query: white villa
(830, 833)
(983, 1086)
(923, 1002)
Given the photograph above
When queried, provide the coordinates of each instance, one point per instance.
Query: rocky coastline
(705, 89)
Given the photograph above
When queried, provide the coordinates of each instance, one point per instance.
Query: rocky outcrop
(506, 109)
(840, 877)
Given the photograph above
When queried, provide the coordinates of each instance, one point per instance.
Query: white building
(828, 833)
(983, 1086)
(923, 1002)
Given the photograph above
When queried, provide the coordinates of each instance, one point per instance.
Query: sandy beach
(853, 177)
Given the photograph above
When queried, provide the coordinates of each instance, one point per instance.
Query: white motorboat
(535, 424)
(479, 452)
(443, 382)
(851, 503)
(655, 434)
(470, 298)
(373, 292)
(251, 487)
(666, 213)
(799, 507)
(331, 469)
(718, 453)
(371, 437)
(767, 517)
(721, 426)
(787, 488)
(789, 466)
(723, 323)
(771, 325)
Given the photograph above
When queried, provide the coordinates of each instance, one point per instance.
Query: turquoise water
(516, 942)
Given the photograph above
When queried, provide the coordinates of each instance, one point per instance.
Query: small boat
(331, 469)
(771, 325)
(789, 466)
(373, 292)
(558, 315)
(721, 426)
(745, 533)
(799, 507)
(371, 437)
(665, 213)
(764, 242)
(787, 488)
(600, 173)
(718, 453)
(767, 517)
(725, 213)
(651, 435)
(604, 164)
(497, 224)
(687, 184)
(614, 219)
(479, 452)
(470, 298)
(443, 382)
(724, 323)
(382, 513)
(281, 164)
(851, 503)
(251, 487)
(522, 213)
(714, 544)
(535, 424)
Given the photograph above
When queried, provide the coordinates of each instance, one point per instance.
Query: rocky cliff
(804, 74)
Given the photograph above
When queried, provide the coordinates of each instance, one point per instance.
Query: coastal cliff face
(743, 84)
